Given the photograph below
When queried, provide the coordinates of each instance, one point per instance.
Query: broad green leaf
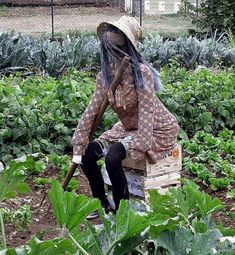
(17, 251)
(183, 135)
(12, 178)
(96, 242)
(161, 223)
(226, 231)
(164, 212)
(162, 204)
(199, 226)
(176, 242)
(78, 208)
(206, 204)
(50, 247)
(69, 208)
(56, 194)
(126, 219)
(204, 119)
(172, 105)
(23, 188)
(204, 242)
(182, 241)
(119, 233)
(128, 245)
(184, 199)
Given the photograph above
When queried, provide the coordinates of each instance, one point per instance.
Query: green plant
(178, 221)
(11, 183)
(49, 57)
(226, 134)
(39, 114)
(69, 208)
(12, 179)
(156, 50)
(219, 183)
(218, 15)
(53, 57)
(26, 55)
(210, 157)
(42, 181)
(21, 217)
(63, 162)
(231, 40)
(14, 50)
(231, 194)
(49, 247)
(201, 101)
(81, 51)
(191, 242)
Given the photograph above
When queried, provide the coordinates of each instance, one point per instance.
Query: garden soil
(37, 21)
(44, 224)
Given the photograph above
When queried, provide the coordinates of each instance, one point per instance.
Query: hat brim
(102, 27)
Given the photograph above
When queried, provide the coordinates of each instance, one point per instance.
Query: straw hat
(128, 25)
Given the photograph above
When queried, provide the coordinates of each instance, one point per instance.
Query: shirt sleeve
(146, 107)
(81, 135)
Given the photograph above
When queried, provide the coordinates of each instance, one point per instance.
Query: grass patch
(170, 24)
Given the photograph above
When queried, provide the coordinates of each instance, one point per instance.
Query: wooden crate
(142, 176)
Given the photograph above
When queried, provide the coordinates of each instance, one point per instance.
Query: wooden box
(142, 176)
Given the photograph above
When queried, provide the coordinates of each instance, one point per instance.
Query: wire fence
(38, 17)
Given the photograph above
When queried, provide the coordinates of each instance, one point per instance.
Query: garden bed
(43, 221)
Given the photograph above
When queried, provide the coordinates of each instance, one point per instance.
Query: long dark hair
(135, 60)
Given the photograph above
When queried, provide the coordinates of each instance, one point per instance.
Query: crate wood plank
(172, 163)
(161, 190)
(161, 181)
(133, 164)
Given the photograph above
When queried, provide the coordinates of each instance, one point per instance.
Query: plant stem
(78, 245)
(111, 247)
(3, 231)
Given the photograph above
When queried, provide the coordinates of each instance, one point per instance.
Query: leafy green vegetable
(42, 181)
(13, 177)
(219, 183)
(22, 217)
(193, 244)
(50, 247)
(40, 114)
(69, 208)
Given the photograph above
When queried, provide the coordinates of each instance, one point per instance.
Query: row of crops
(38, 114)
(54, 57)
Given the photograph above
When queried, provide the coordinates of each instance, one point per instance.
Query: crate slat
(142, 176)
(172, 163)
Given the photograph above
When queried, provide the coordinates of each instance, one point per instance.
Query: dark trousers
(113, 162)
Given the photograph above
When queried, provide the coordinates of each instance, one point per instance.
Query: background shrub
(218, 15)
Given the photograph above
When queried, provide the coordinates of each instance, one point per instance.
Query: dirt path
(37, 20)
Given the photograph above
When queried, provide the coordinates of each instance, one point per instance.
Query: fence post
(141, 13)
(197, 7)
(52, 19)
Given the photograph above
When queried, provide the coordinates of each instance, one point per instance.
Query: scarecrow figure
(146, 128)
